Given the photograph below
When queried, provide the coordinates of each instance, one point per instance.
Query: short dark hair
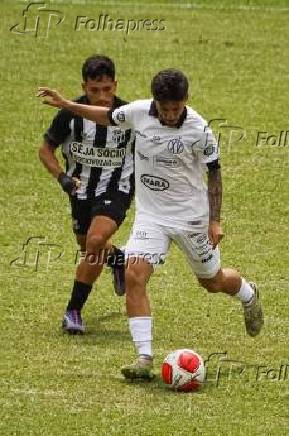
(170, 85)
(97, 66)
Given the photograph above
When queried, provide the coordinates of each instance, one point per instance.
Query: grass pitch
(236, 56)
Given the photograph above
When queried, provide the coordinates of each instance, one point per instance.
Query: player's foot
(253, 313)
(141, 369)
(116, 262)
(72, 322)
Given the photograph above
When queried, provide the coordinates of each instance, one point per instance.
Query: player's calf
(136, 276)
(227, 280)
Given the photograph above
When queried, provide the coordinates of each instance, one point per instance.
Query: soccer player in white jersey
(174, 147)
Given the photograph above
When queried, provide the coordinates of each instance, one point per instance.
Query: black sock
(116, 258)
(79, 295)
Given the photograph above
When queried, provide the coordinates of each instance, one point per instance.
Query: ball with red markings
(183, 370)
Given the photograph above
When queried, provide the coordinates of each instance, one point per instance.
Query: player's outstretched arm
(93, 113)
(215, 204)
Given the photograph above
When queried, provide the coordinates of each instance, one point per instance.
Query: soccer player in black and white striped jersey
(98, 178)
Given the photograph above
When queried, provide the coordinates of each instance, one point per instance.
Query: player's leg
(138, 273)
(72, 320)
(146, 248)
(93, 236)
(98, 220)
(229, 281)
(111, 208)
(97, 246)
(117, 209)
(81, 219)
(206, 264)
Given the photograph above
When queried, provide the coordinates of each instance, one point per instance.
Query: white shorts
(151, 241)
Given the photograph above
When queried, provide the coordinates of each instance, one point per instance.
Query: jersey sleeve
(206, 147)
(123, 116)
(59, 129)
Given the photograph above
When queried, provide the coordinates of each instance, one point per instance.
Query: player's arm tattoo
(215, 193)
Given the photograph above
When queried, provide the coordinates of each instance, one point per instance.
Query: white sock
(141, 332)
(245, 293)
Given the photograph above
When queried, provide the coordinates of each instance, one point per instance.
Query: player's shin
(140, 321)
(79, 295)
(141, 332)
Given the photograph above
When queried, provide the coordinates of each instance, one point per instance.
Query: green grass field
(236, 55)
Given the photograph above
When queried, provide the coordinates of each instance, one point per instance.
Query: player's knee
(95, 243)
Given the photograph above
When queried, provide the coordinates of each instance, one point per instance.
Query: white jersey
(169, 165)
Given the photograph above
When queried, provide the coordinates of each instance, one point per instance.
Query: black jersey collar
(154, 113)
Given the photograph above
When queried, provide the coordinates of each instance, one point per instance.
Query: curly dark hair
(170, 85)
(97, 66)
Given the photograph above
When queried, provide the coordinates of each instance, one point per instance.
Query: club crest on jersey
(118, 136)
(154, 183)
(120, 116)
(175, 145)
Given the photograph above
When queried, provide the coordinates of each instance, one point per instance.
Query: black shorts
(113, 206)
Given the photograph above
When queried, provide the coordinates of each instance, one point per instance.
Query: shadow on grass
(103, 336)
(98, 334)
(158, 386)
(109, 317)
(106, 333)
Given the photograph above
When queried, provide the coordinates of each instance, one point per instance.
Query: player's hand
(68, 184)
(215, 233)
(54, 98)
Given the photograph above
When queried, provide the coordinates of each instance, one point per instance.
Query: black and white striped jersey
(100, 156)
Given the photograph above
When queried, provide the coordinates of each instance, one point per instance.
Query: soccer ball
(183, 370)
